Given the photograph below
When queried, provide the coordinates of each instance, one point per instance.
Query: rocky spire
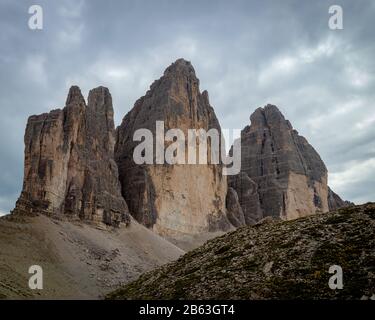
(180, 68)
(69, 162)
(172, 199)
(75, 97)
(289, 177)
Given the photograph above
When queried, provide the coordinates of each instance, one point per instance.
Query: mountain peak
(75, 96)
(176, 100)
(271, 108)
(77, 146)
(100, 97)
(180, 66)
(283, 165)
(267, 115)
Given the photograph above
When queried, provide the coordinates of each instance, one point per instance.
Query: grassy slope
(277, 260)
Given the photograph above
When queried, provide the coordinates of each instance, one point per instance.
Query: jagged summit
(172, 199)
(289, 179)
(69, 162)
(267, 116)
(76, 166)
(75, 97)
(180, 71)
(180, 66)
(101, 95)
(269, 108)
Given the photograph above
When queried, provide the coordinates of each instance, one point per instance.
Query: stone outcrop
(281, 173)
(69, 162)
(172, 199)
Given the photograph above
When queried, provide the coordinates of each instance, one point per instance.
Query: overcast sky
(246, 54)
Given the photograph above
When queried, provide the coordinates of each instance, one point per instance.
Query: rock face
(247, 195)
(335, 202)
(281, 173)
(234, 209)
(172, 199)
(69, 161)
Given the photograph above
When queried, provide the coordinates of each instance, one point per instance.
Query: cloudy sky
(246, 54)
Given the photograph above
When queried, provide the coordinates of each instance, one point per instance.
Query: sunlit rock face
(69, 162)
(172, 199)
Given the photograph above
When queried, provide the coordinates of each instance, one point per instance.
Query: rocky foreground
(273, 260)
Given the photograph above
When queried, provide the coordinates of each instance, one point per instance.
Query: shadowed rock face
(234, 209)
(69, 161)
(335, 202)
(247, 195)
(172, 199)
(287, 175)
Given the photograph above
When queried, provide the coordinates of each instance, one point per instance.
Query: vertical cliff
(69, 162)
(172, 199)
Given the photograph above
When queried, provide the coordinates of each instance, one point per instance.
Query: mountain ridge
(87, 212)
(272, 260)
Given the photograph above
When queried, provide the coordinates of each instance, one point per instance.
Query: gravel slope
(79, 261)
